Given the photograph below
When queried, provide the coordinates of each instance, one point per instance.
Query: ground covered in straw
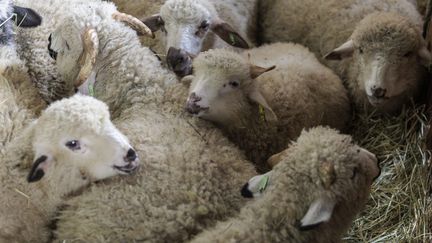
(399, 209)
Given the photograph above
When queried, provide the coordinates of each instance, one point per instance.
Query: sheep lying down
(312, 195)
(72, 144)
(263, 98)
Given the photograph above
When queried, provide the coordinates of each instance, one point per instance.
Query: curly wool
(301, 91)
(295, 182)
(325, 28)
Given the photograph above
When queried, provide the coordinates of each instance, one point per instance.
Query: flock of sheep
(220, 141)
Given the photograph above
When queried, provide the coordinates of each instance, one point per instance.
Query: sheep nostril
(379, 92)
(131, 155)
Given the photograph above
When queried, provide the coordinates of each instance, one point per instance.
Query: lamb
(73, 144)
(262, 108)
(191, 26)
(192, 172)
(316, 190)
(33, 42)
(379, 42)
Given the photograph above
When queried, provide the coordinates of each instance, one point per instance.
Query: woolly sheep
(379, 42)
(33, 42)
(313, 194)
(192, 173)
(191, 26)
(74, 143)
(300, 92)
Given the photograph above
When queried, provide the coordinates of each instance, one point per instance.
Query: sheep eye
(234, 84)
(204, 25)
(73, 145)
(360, 50)
(408, 54)
(355, 172)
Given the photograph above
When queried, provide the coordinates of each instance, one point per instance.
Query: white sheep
(320, 184)
(379, 42)
(262, 107)
(192, 173)
(191, 26)
(33, 42)
(73, 144)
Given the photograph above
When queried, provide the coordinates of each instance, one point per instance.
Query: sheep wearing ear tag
(263, 98)
(320, 183)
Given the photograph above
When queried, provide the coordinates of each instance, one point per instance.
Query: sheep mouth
(377, 101)
(127, 169)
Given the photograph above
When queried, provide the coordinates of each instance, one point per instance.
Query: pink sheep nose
(191, 105)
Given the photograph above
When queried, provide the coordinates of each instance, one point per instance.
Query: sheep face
(222, 86)
(76, 136)
(388, 52)
(186, 24)
(336, 174)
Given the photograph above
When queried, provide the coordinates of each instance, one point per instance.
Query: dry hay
(399, 209)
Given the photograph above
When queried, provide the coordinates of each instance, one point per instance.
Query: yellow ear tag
(261, 111)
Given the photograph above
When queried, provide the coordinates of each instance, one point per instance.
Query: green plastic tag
(261, 111)
(233, 39)
(91, 90)
(263, 183)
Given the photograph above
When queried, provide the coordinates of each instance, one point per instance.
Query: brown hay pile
(399, 209)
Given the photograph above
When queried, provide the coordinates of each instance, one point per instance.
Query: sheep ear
(256, 71)
(256, 186)
(154, 22)
(229, 35)
(343, 51)
(424, 56)
(320, 211)
(257, 97)
(26, 17)
(187, 80)
(38, 169)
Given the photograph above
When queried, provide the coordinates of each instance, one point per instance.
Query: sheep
(261, 109)
(74, 143)
(33, 42)
(192, 172)
(318, 187)
(379, 42)
(191, 26)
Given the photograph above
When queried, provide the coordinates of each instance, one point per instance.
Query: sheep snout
(179, 61)
(370, 164)
(192, 105)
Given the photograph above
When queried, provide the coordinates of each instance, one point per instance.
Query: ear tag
(232, 39)
(261, 111)
(91, 89)
(263, 183)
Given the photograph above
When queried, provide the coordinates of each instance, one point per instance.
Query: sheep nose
(378, 92)
(191, 105)
(179, 61)
(131, 156)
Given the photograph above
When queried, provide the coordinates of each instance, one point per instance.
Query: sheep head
(75, 143)
(75, 45)
(186, 24)
(325, 171)
(223, 85)
(388, 51)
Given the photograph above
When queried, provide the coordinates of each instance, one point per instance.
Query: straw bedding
(399, 209)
